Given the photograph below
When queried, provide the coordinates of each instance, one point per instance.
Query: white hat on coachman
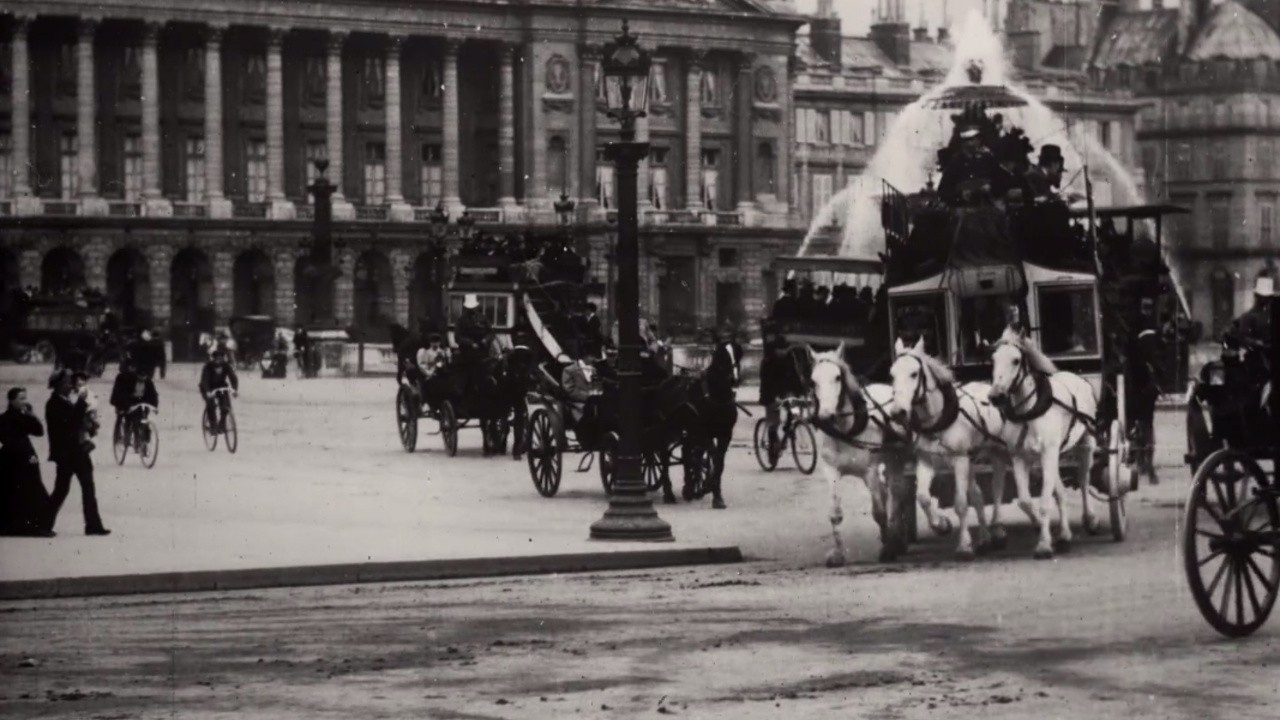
(471, 302)
(1264, 286)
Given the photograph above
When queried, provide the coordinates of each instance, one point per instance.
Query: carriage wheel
(697, 476)
(768, 461)
(232, 437)
(449, 428)
(1118, 478)
(804, 448)
(206, 430)
(608, 461)
(543, 454)
(119, 441)
(150, 448)
(407, 411)
(1230, 539)
(652, 468)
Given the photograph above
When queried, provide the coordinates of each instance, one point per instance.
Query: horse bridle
(1011, 410)
(844, 391)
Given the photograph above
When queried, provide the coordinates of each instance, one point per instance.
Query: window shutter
(802, 134)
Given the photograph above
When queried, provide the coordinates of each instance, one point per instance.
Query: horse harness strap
(979, 422)
(950, 411)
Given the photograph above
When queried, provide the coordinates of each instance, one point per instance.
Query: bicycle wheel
(207, 430)
(232, 437)
(149, 450)
(804, 448)
(120, 441)
(768, 460)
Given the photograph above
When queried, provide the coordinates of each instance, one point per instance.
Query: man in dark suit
(64, 414)
(24, 503)
(592, 334)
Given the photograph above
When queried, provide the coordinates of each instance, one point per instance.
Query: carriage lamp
(631, 515)
(564, 209)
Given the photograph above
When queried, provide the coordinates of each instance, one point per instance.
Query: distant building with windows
(1208, 74)
(160, 152)
(849, 90)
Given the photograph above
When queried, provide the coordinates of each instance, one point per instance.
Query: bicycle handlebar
(223, 389)
(145, 406)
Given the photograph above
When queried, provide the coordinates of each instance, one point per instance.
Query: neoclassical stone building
(161, 151)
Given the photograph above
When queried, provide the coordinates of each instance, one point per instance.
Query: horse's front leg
(999, 479)
(924, 483)
(1053, 494)
(836, 556)
(717, 459)
(964, 546)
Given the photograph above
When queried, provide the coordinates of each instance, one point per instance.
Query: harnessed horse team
(1030, 412)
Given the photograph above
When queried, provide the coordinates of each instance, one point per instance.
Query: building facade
(161, 152)
(1209, 76)
(849, 90)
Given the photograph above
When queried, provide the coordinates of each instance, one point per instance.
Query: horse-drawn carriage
(1010, 339)
(1231, 533)
(255, 340)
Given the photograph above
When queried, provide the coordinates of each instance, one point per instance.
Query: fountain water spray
(907, 155)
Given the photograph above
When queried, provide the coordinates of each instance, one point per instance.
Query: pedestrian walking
(65, 415)
(24, 501)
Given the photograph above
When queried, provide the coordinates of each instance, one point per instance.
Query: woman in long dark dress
(24, 500)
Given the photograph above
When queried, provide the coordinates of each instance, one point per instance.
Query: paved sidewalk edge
(349, 574)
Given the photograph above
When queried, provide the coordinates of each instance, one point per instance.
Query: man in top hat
(1255, 324)
(967, 178)
(1045, 177)
(473, 327)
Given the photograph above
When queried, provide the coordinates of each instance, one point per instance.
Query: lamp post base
(631, 519)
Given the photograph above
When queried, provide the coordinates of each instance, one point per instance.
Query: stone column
(588, 55)
(343, 286)
(86, 121)
(29, 266)
(154, 203)
(342, 209)
(643, 177)
(96, 252)
(159, 261)
(693, 135)
(223, 285)
(452, 199)
(286, 301)
(401, 279)
(281, 207)
(744, 166)
(399, 210)
(507, 131)
(536, 196)
(219, 205)
(24, 202)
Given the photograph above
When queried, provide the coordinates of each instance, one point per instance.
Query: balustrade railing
(61, 207)
(190, 210)
(241, 209)
(371, 212)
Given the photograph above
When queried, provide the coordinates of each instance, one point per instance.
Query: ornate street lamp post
(631, 515)
(322, 247)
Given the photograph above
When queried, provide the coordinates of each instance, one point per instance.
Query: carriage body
(255, 339)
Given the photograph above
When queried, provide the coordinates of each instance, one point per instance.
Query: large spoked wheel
(804, 448)
(768, 460)
(149, 447)
(1231, 536)
(1118, 480)
(449, 428)
(608, 461)
(543, 454)
(232, 438)
(208, 431)
(696, 462)
(120, 441)
(653, 467)
(407, 411)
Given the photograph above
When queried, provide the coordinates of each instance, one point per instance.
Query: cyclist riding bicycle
(775, 376)
(217, 374)
(132, 389)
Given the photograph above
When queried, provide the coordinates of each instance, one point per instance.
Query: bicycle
(794, 431)
(228, 429)
(140, 435)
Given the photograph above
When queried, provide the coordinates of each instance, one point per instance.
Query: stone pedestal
(282, 210)
(94, 207)
(220, 208)
(157, 207)
(400, 212)
(27, 205)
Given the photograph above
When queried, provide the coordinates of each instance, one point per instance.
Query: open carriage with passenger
(1014, 314)
(1231, 533)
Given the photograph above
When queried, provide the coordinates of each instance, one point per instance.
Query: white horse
(953, 424)
(1055, 412)
(853, 424)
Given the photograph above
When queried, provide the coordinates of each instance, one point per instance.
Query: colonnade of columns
(217, 203)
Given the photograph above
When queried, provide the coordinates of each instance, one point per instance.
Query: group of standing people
(71, 419)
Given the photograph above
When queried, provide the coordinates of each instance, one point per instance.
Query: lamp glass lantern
(625, 66)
